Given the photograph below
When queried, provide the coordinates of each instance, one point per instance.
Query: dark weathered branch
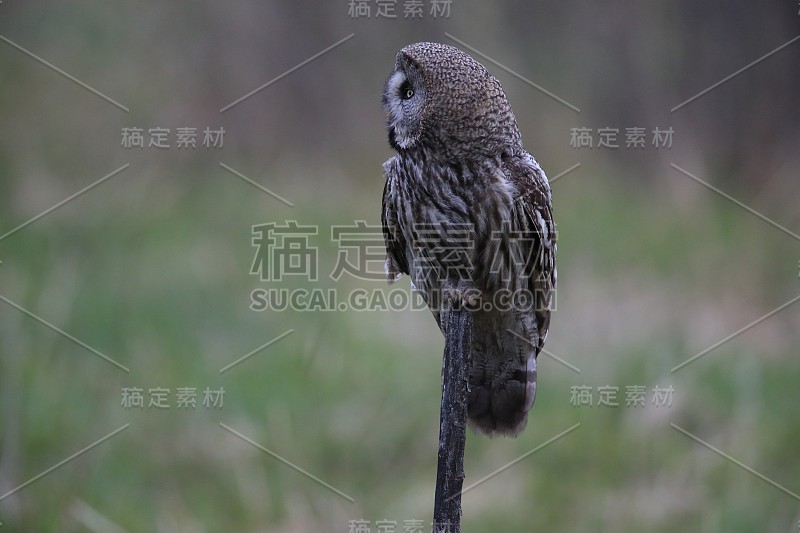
(453, 422)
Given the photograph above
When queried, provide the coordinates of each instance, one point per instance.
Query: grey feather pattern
(464, 205)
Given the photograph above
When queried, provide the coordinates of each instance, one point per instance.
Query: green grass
(352, 397)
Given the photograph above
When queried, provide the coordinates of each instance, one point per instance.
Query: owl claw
(471, 298)
(458, 298)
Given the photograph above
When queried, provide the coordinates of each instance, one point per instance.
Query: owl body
(466, 207)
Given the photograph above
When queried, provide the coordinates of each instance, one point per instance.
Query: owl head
(438, 97)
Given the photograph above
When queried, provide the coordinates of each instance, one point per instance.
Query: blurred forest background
(151, 268)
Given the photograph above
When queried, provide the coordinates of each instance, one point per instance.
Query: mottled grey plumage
(466, 207)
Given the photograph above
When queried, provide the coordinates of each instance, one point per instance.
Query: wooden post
(453, 421)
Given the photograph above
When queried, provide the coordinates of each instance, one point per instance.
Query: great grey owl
(466, 208)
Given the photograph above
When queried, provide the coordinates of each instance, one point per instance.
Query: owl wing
(532, 217)
(396, 260)
(507, 341)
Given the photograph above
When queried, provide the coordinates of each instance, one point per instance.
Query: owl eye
(406, 92)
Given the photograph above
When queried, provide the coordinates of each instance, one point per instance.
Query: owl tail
(502, 386)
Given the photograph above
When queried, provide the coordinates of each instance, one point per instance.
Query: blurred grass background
(152, 269)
